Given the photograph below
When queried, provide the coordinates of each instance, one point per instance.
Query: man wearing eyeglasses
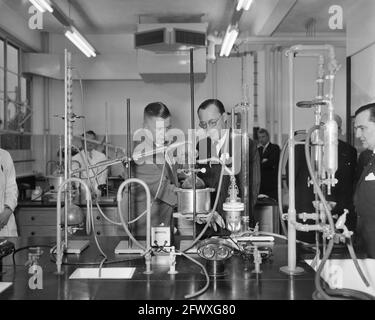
(215, 123)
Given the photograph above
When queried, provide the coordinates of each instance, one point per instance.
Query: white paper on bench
(106, 273)
(342, 273)
(4, 286)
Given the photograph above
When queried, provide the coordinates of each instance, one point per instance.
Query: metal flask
(185, 200)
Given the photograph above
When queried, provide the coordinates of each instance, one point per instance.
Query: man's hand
(264, 160)
(4, 217)
(215, 220)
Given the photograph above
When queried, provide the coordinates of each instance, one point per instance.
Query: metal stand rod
(106, 141)
(193, 137)
(291, 268)
(68, 133)
(129, 154)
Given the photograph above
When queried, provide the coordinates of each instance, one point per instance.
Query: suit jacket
(212, 175)
(342, 193)
(364, 200)
(363, 160)
(269, 169)
(150, 169)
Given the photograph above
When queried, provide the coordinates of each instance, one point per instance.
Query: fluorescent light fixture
(244, 4)
(80, 42)
(42, 5)
(229, 40)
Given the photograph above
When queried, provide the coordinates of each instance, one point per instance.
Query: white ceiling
(122, 16)
(307, 9)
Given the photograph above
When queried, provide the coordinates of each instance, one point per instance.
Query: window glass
(12, 59)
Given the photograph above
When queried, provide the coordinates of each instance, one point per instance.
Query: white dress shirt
(8, 192)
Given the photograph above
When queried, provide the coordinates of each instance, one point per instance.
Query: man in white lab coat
(8, 195)
(93, 157)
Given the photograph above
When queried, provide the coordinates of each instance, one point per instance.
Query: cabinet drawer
(36, 218)
(108, 230)
(111, 213)
(37, 231)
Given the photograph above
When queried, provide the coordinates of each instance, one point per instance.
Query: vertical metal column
(192, 124)
(129, 155)
(106, 141)
(291, 268)
(68, 133)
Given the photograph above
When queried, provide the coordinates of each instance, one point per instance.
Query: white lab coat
(8, 192)
(101, 171)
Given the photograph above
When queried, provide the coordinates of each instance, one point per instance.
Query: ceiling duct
(170, 38)
(163, 51)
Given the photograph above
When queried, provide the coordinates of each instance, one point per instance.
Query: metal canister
(185, 200)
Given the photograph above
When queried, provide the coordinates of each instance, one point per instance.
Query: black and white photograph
(185, 157)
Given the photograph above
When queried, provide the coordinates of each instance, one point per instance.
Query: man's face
(159, 128)
(365, 129)
(90, 146)
(263, 138)
(212, 121)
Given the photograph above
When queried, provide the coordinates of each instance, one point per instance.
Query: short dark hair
(370, 107)
(262, 130)
(157, 109)
(91, 133)
(219, 105)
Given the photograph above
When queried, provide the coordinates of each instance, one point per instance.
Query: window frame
(4, 97)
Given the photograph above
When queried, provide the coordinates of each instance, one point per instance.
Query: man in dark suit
(364, 198)
(363, 159)
(215, 123)
(269, 162)
(343, 191)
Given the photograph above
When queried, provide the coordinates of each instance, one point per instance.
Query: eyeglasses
(211, 123)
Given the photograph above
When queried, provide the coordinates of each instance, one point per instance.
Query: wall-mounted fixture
(42, 5)
(243, 5)
(80, 42)
(229, 39)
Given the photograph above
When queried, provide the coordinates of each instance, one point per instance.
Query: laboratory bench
(38, 218)
(238, 283)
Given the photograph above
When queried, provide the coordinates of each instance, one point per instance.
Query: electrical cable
(24, 248)
(355, 261)
(204, 289)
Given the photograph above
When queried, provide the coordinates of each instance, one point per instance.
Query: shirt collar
(220, 142)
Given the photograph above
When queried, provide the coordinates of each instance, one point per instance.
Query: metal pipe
(129, 154)
(192, 112)
(66, 106)
(271, 99)
(255, 94)
(276, 93)
(292, 208)
(61, 246)
(106, 139)
(280, 98)
(292, 256)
